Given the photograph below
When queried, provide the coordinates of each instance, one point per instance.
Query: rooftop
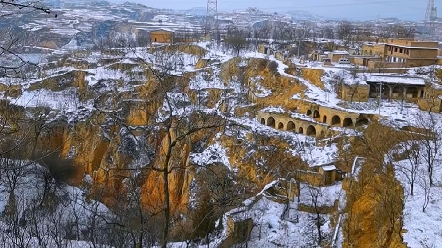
(413, 47)
(339, 52)
(393, 79)
(163, 29)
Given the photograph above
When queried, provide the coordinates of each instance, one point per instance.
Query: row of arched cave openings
(311, 129)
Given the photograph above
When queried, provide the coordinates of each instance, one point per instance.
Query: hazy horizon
(345, 9)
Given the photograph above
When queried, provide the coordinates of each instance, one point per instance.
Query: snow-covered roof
(329, 167)
(395, 79)
(413, 47)
(340, 52)
(272, 109)
(163, 29)
(374, 43)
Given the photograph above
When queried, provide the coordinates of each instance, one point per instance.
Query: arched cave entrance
(336, 121)
(348, 122)
(311, 130)
(362, 122)
(263, 121)
(316, 114)
(291, 126)
(280, 126)
(271, 122)
(301, 130)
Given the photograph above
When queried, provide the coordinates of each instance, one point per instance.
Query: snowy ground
(27, 185)
(276, 227)
(424, 228)
(273, 229)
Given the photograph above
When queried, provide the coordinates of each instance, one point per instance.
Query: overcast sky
(345, 9)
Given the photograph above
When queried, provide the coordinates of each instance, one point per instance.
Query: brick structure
(411, 53)
(373, 49)
(336, 55)
(162, 36)
(396, 87)
(432, 98)
(400, 53)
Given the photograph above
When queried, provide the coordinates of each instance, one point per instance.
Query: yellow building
(162, 36)
(373, 49)
(432, 98)
(411, 53)
(395, 87)
(337, 54)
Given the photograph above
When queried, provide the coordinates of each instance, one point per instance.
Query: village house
(411, 52)
(322, 175)
(363, 60)
(398, 53)
(265, 49)
(373, 49)
(162, 36)
(337, 54)
(432, 98)
(395, 87)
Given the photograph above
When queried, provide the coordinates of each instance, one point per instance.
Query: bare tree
(303, 30)
(413, 155)
(315, 195)
(237, 40)
(283, 31)
(265, 31)
(327, 32)
(431, 142)
(401, 31)
(9, 41)
(344, 31)
(173, 124)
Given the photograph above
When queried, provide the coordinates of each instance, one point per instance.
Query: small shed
(329, 173)
(162, 36)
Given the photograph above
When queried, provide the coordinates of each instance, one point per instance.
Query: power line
(312, 6)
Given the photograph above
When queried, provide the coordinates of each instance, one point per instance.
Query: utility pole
(299, 46)
(430, 18)
(212, 27)
(380, 97)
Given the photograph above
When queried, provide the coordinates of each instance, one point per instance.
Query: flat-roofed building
(337, 54)
(395, 86)
(162, 36)
(373, 49)
(411, 53)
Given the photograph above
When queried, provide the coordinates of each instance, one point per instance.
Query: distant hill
(197, 11)
(303, 15)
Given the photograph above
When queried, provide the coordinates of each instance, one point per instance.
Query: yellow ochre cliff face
(100, 145)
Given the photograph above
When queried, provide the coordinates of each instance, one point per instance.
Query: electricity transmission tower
(212, 27)
(430, 18)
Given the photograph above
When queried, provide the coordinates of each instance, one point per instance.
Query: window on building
(395, 49)
(401, 50)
